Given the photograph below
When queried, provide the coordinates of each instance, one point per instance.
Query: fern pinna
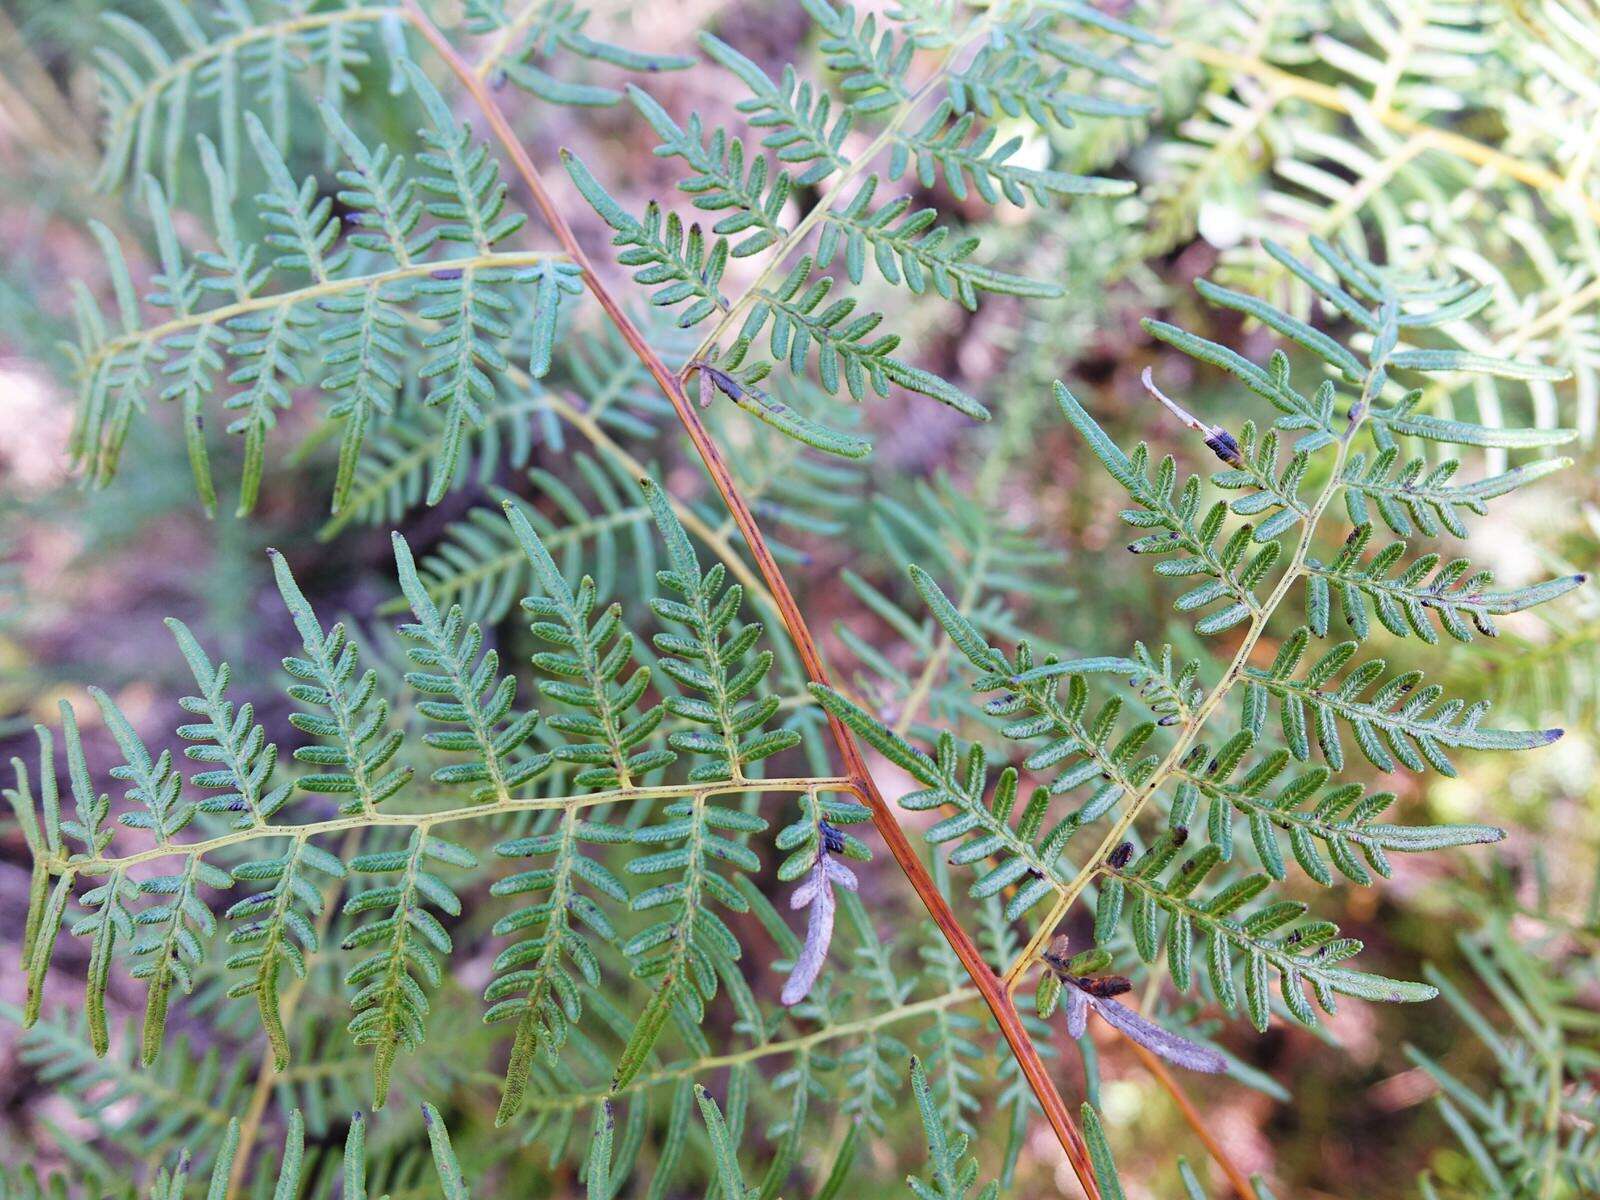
(356, 758)
(1154, 892)
(795, 305)
(421, 247)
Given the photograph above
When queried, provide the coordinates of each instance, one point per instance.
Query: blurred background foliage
(1453, 135)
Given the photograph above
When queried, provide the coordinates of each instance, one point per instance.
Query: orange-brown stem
(1236, 1178)
(883, 819)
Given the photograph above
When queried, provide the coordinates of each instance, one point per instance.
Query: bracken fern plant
(1529, 1135)
(579, 835)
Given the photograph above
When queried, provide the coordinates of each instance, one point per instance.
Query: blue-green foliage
(1528, 1137)
(1156, 894)
(795, 306)
(400, 298)
(414, 272)
(401, 877)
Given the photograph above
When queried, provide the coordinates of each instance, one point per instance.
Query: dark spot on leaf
(1224, 446)
(1056, 953)
(1105, 987)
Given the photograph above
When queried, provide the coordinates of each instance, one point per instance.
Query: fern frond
(1400, 721)
(397, 293)
(362, 291)
(393, 933)
(794, 304)
(1332, 122)
(108, 918)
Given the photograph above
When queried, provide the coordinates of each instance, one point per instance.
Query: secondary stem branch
(1190, 731)
(426, 821)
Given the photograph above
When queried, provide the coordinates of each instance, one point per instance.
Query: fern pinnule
(468, 693)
